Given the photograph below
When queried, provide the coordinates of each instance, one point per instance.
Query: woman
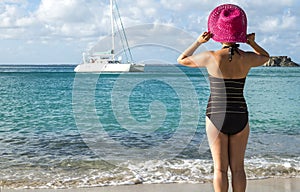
(227, 115)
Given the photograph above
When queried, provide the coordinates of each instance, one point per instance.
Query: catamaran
(106, 61)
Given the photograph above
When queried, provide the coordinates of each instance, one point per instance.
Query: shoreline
(265, 185)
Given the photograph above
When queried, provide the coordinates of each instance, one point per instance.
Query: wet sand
(264, 185)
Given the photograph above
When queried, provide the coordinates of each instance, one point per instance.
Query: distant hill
(281, 61)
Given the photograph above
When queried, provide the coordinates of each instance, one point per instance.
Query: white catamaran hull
(109, 68)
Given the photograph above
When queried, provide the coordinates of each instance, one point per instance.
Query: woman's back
(220, 66)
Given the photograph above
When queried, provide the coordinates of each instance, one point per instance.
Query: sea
(59, 129)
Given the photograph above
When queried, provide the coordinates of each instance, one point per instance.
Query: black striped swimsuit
(227, 108)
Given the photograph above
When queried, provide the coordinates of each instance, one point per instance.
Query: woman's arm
(260, 56)
(187, 58)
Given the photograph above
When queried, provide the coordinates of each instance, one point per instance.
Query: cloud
(272, 24)
(84, 21)
(82, 18)
(274, 3)
(18, 2)
(68, 18)
(8, 16)
(69, 11)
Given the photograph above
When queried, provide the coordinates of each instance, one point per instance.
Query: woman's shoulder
(207, 55)
(253, 60)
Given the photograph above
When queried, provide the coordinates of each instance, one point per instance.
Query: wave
(95, 173)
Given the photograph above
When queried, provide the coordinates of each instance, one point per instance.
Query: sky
(58, 31)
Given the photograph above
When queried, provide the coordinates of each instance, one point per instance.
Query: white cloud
(70, 11)
(82, 21)
(285, 22)
(8, 15)
(269, 4)
(69, 18)
(19, 2)
(187, 5)
(58, 18)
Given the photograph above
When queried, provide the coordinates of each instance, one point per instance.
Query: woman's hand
(204, 37)
(250, 38)
(187, 58)
(261, 56)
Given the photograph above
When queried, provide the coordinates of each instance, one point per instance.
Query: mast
(122, 33)
(112, 30)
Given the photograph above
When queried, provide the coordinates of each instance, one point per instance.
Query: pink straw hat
(228, 23)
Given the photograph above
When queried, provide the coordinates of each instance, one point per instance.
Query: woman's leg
(218, 143)
(237, 148)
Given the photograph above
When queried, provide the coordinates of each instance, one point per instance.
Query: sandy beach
(264, 185)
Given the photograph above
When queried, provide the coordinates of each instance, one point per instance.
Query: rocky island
(281, 61)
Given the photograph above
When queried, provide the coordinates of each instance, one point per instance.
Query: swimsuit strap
(232, 48)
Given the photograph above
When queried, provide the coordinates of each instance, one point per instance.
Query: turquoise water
(61, 129)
